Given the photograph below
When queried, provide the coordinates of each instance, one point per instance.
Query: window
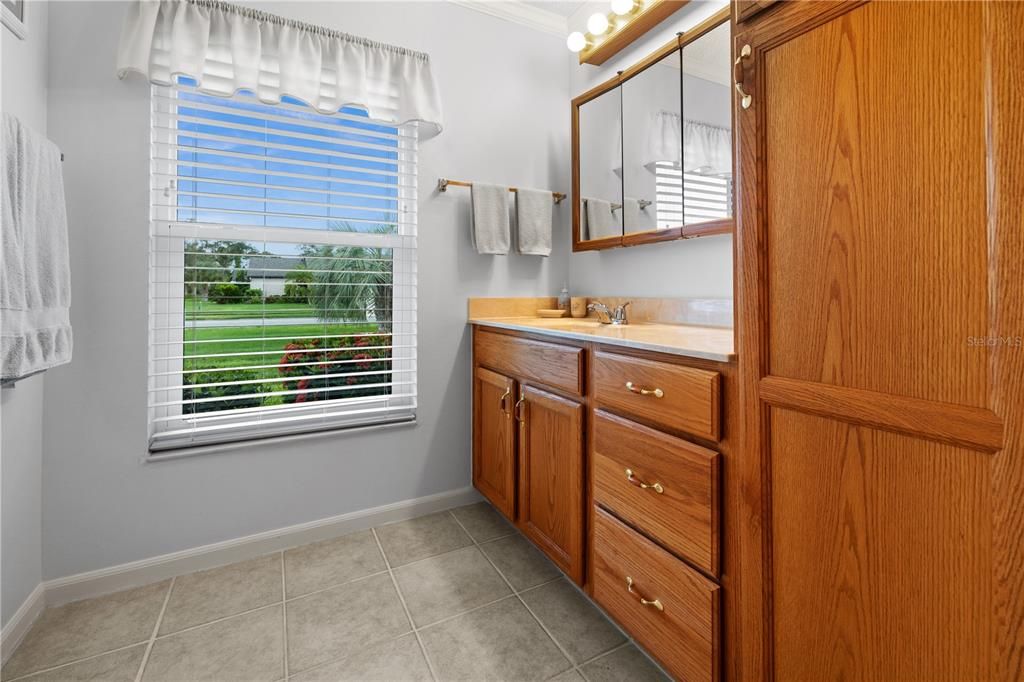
(283, 269)
(704, 197)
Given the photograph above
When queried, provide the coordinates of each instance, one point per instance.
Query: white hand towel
(490, 219)
(533, 221)
(35, 277)
(601, 222)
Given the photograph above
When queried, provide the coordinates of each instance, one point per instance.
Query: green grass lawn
(196, 309)
(254, 339)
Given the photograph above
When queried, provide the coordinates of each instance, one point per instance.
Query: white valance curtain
(706, 149)
(227, 48)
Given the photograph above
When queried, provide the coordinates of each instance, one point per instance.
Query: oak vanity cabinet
(551, 476)
(528, 431)
(880, 307)
(494, 439)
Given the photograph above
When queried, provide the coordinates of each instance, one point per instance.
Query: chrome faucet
(608, 316)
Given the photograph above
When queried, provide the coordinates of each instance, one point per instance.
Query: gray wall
(698, 268)
(506, 121)
(23, 94)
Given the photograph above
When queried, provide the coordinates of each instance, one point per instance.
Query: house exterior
(268, 273)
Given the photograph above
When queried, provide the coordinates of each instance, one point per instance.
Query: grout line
(219, 620)
(543, 627)
(284, 614)
(77, 660)
(408, 614)
(156, 629)
(334, 585)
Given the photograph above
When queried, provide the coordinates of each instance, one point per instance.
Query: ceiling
(563, 8)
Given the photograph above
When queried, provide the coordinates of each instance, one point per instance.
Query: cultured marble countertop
(709, 343)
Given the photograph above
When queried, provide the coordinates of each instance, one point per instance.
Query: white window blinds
(283, 269)
(688, 198)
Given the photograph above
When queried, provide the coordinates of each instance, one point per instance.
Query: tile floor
(457, 595)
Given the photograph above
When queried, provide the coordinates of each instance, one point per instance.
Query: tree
(208, 262)
(297, 281)
(352, 282)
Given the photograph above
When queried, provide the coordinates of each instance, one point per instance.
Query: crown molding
(520, 13)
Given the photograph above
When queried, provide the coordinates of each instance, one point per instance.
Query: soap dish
(548, 312)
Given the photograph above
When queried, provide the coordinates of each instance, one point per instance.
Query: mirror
(707, 130)
(651, 111)
(652, 148)
(599, 194)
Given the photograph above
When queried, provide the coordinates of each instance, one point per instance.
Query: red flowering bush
(333, 368)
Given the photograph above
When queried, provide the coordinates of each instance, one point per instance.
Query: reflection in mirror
(650, 132)
(706, 171)
(600, 167)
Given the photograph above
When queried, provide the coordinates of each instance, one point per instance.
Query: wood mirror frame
(701, 229)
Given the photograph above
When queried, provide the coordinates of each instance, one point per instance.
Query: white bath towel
(490, 219)
(601, 222)
(35, 278)
(533, 221)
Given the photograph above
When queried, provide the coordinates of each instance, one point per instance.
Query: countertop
(709, 343)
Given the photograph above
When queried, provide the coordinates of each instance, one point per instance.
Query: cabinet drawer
(678, 397)
(548, 364)
(679, 508)
(683, 632)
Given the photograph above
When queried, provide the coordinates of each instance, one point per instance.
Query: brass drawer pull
(656, 392)
(656, 487)
(656, 603)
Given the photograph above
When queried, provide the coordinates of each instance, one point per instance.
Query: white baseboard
(107, 580)
(21, 622)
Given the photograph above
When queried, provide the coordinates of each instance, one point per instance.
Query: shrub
(214, 376)
(278, 298)
(357, 361)
(226, 292)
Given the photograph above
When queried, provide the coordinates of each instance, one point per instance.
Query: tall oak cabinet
(880, 315)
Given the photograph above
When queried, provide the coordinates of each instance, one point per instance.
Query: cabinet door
(551, 476)
(880, 310)
(494, 453)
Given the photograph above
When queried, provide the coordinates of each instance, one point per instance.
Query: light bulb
(576, 42)
(623, 7)
(597, 24)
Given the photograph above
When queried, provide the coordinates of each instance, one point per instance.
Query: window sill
(154, 457)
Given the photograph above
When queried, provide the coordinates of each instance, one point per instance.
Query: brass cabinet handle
(656, 603)
(517, 410)
(656, 392)
(745, 99)
(656, 487)
(504, 403)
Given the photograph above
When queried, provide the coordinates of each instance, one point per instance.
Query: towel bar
(442, 186)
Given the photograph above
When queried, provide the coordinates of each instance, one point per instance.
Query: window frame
(167, 266)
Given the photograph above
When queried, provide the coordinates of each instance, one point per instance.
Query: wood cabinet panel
(682, 512)
(689, 397)
(882, 554)
(877, 282)
(551, 476)
(683, 633)
(494, 453)
(552, 364)
(743, 10)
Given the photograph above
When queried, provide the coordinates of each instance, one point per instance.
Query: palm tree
(351, 282)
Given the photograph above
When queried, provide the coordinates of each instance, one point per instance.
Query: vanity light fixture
(576, 42)
(598, 24)
(607, 33)
(625, 7)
